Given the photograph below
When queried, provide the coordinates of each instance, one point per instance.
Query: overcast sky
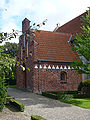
(12, 12)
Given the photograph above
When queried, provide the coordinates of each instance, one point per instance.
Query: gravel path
(48, 108)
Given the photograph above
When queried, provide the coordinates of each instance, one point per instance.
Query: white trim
(49, 67)
(65, 67)
(72, 68)
(61, 67)
(45, 67)
(40, 66)
(36, 67)
(57, 67)
(53, 67)
(69, 67)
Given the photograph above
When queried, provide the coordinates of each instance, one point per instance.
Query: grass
(71, 98)
(11, 86)
(81, 102)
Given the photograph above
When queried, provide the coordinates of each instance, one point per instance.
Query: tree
(82, 47)
(10, 48)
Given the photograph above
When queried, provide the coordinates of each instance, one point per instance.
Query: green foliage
(36, 117)
(4, 36)
(81, 96)
(3, 94)
(8, 66)
(84, 102)
(84, 86)
(82, 46)
(80, 86)
(10, 48)
(72, 97)
(5, 67)
(86, 83)
(11, 86)
(50, 95)
(17, 104)
(8, 99)
(65, 96)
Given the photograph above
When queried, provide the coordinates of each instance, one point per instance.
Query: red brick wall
(50, 79)
(25, 78)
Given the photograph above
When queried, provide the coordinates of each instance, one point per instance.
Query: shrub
(80, 86)
(18, 104)
(3, 94)
(58, 95)
(50, 95)
(81, 96)
(64, 92)
(85, 86)
(65, 96)
(36, 117)
(86, 83)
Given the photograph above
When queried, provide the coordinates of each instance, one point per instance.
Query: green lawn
(11, 86)
(71, 97)
(81, 102)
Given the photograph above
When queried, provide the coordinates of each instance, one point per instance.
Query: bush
(86, 83)
(3, 94)
(65, 96)
(36, 117)
(17, 104)
(80, 86)
(84, 86)
(64, 92)
(50, 95)
(58, 95)
(82, 96)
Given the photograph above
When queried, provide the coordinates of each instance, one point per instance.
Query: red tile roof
(54, 46)
(73, 26)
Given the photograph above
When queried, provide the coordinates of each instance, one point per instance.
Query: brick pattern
(50, 79)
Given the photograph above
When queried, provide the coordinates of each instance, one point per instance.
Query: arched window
(63, 76)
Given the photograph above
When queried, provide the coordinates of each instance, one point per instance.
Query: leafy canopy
(82, 46)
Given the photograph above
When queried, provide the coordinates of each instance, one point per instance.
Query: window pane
(62, 76)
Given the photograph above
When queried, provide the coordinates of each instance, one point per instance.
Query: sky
(12, 12)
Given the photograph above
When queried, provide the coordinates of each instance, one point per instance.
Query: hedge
(81, 96)
(84, 86)
(50, 95)
(36, 117)
(86, 83)
(65, 95)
